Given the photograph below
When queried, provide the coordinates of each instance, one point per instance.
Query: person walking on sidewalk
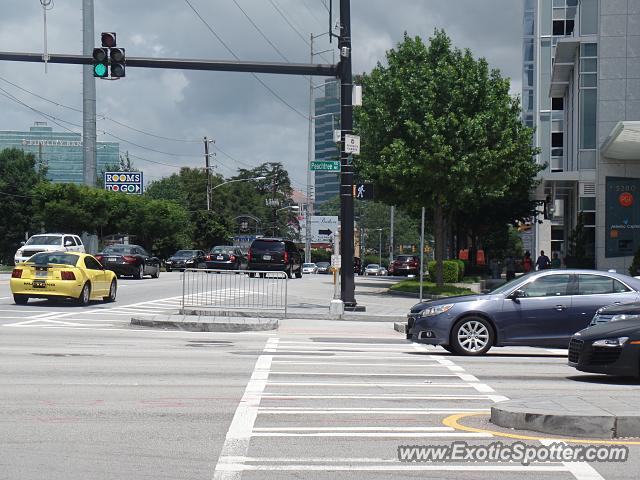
(543, 262)
(527, 263)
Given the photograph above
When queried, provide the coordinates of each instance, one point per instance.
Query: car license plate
(266, 257)
(41, 273)
(39, 284)
(220, 257)
(111, 259)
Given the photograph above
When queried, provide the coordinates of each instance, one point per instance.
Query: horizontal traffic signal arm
(325, 70)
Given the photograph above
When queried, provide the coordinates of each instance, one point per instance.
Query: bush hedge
(450, 271)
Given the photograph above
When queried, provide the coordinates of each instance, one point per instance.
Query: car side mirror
(23, 243)
(516, 294)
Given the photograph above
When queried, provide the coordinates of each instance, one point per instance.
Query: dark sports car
(612, 348)
(226, 257)
(185, 259)
(129, 260)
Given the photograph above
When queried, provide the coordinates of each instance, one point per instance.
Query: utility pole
(393, 211)
(347, 284)
(207, 171)
(88, 98)
(309, 212)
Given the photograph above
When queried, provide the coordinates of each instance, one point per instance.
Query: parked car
(48, 242)
(405, 265)
(185, 259)
(63, 275)
(324, 267)
(543, 308)
(612, 348)
(309, 268)
(226, 257)
(129, 260)
(372, 269)
(616, 312)
(275, 255)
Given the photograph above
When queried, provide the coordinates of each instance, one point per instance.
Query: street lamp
(294, 208)
(238, 180)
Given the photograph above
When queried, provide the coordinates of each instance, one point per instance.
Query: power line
(98, 115)
(275, 94)
(261, 32)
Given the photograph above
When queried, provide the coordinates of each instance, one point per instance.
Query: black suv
(275, 255)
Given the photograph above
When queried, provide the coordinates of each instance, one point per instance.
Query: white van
(49, 242)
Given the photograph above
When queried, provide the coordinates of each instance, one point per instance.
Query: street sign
(325, 166)
(323, 227)
(363, 191)
(125, 182)
(352, 144)
(336, 261)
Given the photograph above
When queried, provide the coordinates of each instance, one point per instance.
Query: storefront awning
(623, 143)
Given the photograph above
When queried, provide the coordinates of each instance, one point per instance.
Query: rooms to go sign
(126, 182)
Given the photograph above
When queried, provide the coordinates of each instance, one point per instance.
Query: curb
(400, 327)
(206, 324)
(570, 416)
(349, 317)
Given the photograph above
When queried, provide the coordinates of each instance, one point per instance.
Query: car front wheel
(472, 336)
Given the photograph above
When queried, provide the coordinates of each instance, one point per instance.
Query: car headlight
(625, 316)
(611, 342)
(436, 310)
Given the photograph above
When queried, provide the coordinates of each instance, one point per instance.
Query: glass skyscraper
(327, 119)
(60, 152)
(581, 92)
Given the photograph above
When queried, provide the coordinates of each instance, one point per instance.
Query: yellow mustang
(60, 275)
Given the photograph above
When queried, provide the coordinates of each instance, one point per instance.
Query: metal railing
(235, 292)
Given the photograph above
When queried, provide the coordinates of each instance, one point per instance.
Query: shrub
(461, 266)
(450, 271)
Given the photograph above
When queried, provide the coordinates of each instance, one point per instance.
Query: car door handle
(560, 308)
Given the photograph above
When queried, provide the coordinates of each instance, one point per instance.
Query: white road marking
(239, 467)
(360, 374)
(402, 434)
(354, 429)
(324, 364)
(238, 436)
(372, 385)
(271, 396)
(369, 411)
(580, 470)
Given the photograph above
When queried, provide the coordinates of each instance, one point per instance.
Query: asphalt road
(84, 395)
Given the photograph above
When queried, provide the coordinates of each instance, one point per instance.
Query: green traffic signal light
(100, 70)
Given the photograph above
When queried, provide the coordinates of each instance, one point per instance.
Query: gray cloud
(244, 118)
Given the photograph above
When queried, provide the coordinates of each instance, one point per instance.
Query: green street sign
(325, 166)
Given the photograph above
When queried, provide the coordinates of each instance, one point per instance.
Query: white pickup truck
(49, 242)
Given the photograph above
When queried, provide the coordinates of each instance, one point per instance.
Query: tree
(125, 164)
(577, 248)
(439, 129)
(19, 176)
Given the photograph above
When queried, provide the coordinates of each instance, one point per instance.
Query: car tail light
(17, 273)
(67, 276)
(100, 258)
(413, 263)
(129, 259)
(286, 257)
(208, 257)
(249, 255)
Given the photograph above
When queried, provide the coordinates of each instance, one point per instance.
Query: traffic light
(100, 62)
(108, 39)
(117, 61)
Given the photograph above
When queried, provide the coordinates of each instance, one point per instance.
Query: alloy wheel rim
(141, 271)
(112, 291)
(473, 336)
(85, 295)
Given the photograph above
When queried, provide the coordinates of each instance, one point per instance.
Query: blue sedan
(540, 309)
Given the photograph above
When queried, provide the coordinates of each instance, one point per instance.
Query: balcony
(564, 62)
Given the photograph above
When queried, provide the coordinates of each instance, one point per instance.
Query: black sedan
(185, 259)
(129, 260)
(226, 257)
(611, 348)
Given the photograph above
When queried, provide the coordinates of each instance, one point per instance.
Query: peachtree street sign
(325, 166)
(126, 182)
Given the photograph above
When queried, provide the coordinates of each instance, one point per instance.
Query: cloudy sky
(248, 122)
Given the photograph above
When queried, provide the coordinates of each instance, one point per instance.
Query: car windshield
(310, 265)
(45, 240)
(126, 249)
(373, 265)
(509, 285)
(268, 245)
(405, 258)
(185, 254)
(58, 258)
(322, 264)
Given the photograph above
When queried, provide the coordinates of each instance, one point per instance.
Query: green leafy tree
(19, 176)
(577, 247)
(440, 129)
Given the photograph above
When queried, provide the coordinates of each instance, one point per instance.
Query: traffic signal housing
(108, 39)
(117, 61)
(100, 62)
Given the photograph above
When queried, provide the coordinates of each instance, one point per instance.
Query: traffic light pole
(347, 281)
(89, 137)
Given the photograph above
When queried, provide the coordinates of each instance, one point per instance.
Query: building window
(564, 15)
(589, 17)
(588, 96)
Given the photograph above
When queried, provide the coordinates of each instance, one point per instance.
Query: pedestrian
(527, 263)
(555, 261)
(543, 262)
(510, 265)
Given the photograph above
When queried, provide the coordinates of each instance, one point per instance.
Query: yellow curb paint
(453, 422)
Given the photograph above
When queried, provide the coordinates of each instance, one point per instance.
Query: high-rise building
(60, 152)
(581, 92)
(327, 119)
